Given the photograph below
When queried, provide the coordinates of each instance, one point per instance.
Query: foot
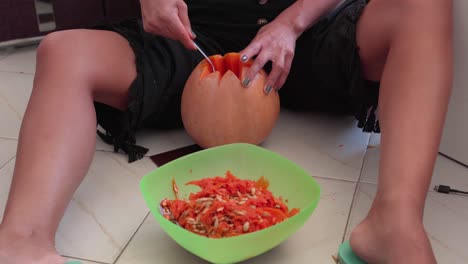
(16, 249)
(380, 240)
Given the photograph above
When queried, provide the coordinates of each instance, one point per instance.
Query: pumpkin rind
(216, 109)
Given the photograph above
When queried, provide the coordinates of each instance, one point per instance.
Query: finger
(177, 30)
(281, 81)
(287, 68)
(165, 24)
(275, 74)
(184, 18)
(250, 51)
(150, 26)
(256, 66)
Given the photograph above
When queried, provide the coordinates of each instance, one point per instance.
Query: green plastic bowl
(245, 161)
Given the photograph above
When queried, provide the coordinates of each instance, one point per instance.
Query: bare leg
(408, 43)
(58, 135)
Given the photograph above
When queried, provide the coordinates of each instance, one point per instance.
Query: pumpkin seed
(164, 203)
(205, 210)
(184, 214)
(220, 209)
(246, 226)
(241, 212)
(204, 199)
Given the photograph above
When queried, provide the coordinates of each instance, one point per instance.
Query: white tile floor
(108, 221)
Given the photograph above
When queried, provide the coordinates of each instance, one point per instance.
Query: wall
(455, 138)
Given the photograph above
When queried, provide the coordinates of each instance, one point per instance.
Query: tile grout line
(6, 53)
(348, 219)
(89, 260)
(355, 191)
(17, 72)
(2, 58)
(109, 151)
(112, 151)
(12, 51)
(131, 238)
(1, 137)
(102, 150)
(341, 180)
(8, 162)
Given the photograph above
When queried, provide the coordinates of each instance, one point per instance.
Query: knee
(57, 45)
(415, 15)
(65, 53)
(418, 8)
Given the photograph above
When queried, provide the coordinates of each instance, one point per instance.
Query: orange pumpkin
(217, 109)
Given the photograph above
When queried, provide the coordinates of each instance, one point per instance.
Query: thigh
(101, 61)
(116, 69)
(382, 20)
(373, 36)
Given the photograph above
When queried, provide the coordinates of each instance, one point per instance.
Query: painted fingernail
(268, 89)
(194, 35)
(244, 58)
(246, 82)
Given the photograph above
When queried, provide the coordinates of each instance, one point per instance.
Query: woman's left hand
(275, 43)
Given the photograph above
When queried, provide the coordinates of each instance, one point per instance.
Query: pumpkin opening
(230, 62)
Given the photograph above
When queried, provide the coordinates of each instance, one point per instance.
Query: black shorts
(325, 74)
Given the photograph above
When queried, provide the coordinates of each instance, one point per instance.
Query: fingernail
(194, 35)
(246, 82)
(244, 58)
(268, 89)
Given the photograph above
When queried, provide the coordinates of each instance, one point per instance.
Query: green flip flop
(347, 256)
(73, 262)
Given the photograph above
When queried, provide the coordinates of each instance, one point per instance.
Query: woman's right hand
(168, 18)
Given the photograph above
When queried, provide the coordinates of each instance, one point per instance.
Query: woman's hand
(274, 42)
(168, 18)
